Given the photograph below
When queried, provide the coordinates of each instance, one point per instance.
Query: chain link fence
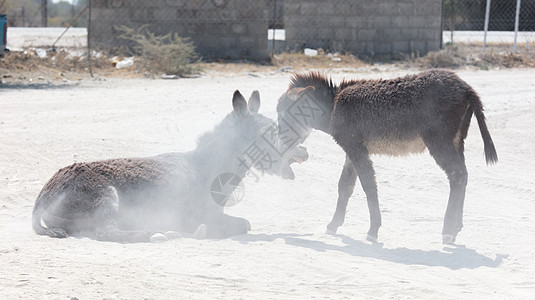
(489, 22)
(256, 29)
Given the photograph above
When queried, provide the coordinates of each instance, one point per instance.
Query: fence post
(44, 13)
(517, 17)
(487, 16)
(452, 25)
(89, 38)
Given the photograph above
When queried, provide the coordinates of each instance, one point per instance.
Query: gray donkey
(397, 116)
(132, 200)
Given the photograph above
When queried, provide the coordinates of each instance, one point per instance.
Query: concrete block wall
(364, 26)
(218, 28)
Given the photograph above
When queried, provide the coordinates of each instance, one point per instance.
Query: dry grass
(21, 66)
(300, 62)
(494, 56)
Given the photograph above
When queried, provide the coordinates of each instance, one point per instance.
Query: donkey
(395, 117)
(136, 199)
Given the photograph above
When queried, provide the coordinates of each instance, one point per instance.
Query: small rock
(311, 52)
(40, 52)
(125, 63)
(165, 76)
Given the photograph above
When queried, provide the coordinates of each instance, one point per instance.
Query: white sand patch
(287, 254)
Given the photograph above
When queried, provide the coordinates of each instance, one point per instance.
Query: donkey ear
(254, 102)
(239, 104)
(296, 93)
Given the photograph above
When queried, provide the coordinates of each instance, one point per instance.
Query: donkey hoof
(201, 232)
(448, 239)
(58, 233)
(158, 238)
(371, 238)
(330, 232)
(172, 235)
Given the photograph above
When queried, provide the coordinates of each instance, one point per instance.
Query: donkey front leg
(223, 226)
(346, 185)
(364, 167)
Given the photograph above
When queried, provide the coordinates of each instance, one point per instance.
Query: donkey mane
(314, 78)
(325, 89)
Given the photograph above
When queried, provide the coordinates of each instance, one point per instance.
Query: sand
(44, 127)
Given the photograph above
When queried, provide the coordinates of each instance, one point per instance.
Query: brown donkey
(137, 199)
(394, 117)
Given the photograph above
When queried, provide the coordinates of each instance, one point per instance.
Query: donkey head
(260, 144)
(298, 113)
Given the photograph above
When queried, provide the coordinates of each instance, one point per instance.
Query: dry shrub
(445, 58)
(170, 53)
(496, 56)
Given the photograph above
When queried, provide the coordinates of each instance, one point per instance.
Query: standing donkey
(394, 117)
(133, 199)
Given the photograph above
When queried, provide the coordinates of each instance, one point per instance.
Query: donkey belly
(395, 146)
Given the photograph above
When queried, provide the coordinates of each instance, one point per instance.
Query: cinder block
(429, 34)
(392, 34)
(383, 48)
(356, 46)
(309, 8)
(366, 35)
(344, 34)
(245, 41)
(433, 45)
(407, 9)
(400, 46)
(165, 14)
(417, 46)
(400, 21)
(239, 28)
(325, 33)
(409, 34)
(382, 22)
(370, 48)
(226, 42)
(418, 21)
(429, 8)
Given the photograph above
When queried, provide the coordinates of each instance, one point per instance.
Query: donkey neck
(322, 120)
(216, 155)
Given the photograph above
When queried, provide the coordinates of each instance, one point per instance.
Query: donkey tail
(490, 151)
(37, 214)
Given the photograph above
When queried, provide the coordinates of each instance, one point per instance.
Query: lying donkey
(130, 200)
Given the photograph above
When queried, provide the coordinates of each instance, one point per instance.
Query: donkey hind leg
(451, 160)
(346, 184)
(106, 215)
(364, 166)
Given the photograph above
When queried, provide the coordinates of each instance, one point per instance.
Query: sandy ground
(286, 255)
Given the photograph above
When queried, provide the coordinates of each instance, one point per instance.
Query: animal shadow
(452, 257)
